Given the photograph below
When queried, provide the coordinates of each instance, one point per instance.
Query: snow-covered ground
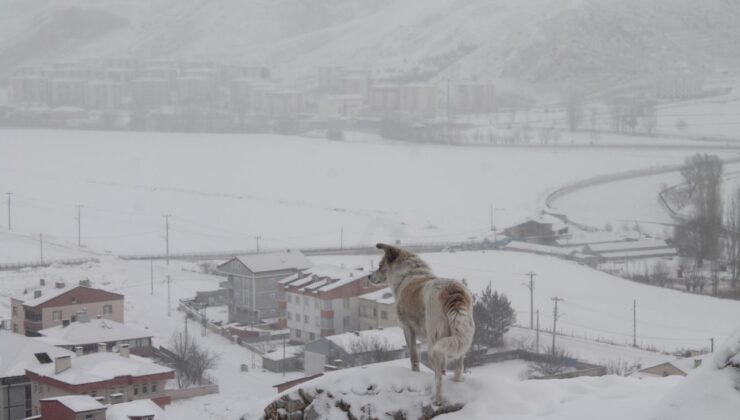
(223, 190)
(596, 306)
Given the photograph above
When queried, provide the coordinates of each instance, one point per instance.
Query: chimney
(42, 282)
(78, 351)
(102, 347)
(82, 316)
(85, 283)
(123, 349)
(62, 363)
(65, 323)
(697, 363)
(36, 294)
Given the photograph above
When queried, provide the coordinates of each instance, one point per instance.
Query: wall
(93, 310)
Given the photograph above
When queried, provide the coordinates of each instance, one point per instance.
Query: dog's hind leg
(444, 364)
(436, 360)
(410, 336)
(459, 366)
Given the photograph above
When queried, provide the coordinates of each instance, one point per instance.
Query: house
(542, 230)
(70, 407)
(88, 334)
(216, 297)
(319, 301)
(342, 107)
(109, 377)
(17, 353)
(473, 98)
(377, 309)
(354, 349)
(254, 284)
(47, 308)
(289, 358)
(145, 409)
(680, 367)
(418, 100)
(540, 249)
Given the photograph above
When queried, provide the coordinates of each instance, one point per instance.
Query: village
(291, 315)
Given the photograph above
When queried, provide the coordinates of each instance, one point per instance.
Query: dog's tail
(457, 305)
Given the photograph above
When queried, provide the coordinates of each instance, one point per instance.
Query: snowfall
(222, 190)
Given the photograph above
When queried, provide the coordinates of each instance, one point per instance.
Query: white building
(377, 309)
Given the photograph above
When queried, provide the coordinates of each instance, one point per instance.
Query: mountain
(534, 42)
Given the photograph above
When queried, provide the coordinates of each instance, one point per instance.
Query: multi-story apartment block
(254, 284)
(320, 301)
(109, 377)
(377, 310)
(18, 353)
(48, 308)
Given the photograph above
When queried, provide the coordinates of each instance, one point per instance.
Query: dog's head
(394, 262)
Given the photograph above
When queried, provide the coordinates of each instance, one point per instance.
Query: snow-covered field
(596, 306)
(223, 190)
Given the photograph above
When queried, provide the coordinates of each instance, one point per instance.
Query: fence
(47, 263)
(581, 368)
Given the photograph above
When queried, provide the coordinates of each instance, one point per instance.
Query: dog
(438, 311)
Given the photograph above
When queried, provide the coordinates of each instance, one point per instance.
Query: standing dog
(438, 311)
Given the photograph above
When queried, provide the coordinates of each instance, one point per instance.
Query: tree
(732, 243)
(493, 317)
(699, 235)
(189, 360)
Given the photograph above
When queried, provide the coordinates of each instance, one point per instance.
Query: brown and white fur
(438, 311)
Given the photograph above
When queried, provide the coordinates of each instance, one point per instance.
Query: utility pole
(283, 355)
(169, 307)
(537, 334)
(711, 340)
(257, 238)
(151, 277)
(634, 323)
(79, 226)
(341, 240)
(530, 286)
(167, 235)
(555, 321)
(448, 110)
(186, 327)
(41, 246)
(10, 195)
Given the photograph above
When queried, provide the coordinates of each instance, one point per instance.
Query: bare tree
(554, 362)
(732, 241)
(373, 349)
(189, 360)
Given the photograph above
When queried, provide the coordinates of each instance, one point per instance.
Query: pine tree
(493, 316)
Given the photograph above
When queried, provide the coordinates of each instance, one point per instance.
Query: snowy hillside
(519, 40)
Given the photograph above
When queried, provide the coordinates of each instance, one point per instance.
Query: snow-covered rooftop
(17, 353)
(586, 238)
(628, 245)
(277, 354)
(98, 367)
(78, 403)
(94, 331)
(642, 253)
(48, 294)
(323, 278)
(390, 338)
(541, 249)
(274, 261)
(383, 296)
(137, 408)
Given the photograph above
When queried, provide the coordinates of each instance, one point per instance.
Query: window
(345, 303)
(107, 309)
(305, 300)
(15, 328)
(298, 333)
(154, 387)
(15, 310)
(298, 317)
(288, 297)
(305, 319)
(56, 316)
(383, 315)
(145, 389)
(136, 390)
(345, 322)
(327, 305)
(89, 416)
(311, 336)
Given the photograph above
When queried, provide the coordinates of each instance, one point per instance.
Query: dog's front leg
(410, 336)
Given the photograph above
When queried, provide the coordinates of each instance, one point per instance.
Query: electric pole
(283, 355)
(555, 321)
(634, 323)
(530, 286)
(537, 334)
(167, 236)
(169, 307)
(151, 277)
(711, 340)
(257, 238)
(10, 195)
(41, 246)
(341, 240)
(79, 226)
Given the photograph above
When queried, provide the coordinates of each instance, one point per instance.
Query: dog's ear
(391, 252)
